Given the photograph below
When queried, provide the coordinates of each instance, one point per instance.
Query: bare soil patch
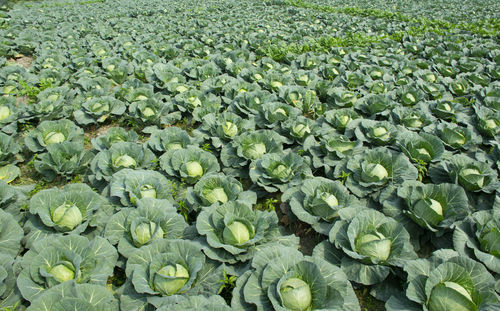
(22, 60)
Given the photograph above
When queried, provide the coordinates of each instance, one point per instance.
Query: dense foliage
(250, 155)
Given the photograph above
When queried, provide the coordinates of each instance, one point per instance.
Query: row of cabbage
(386, 152)
(452, 11)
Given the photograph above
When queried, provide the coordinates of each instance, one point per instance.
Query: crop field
(250, 155)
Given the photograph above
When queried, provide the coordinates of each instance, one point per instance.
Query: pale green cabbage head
(237, 233)
(67, 216)
(170, 279)
(54, 138)
(63, 271)
(296, 294)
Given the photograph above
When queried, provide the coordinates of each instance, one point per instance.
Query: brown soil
(20, 100)
(22, 60)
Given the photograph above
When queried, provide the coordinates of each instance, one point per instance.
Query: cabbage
(374, 245)
(124, 161)
(63, 272)
(54, 138)
(296, 294)
(170, 279)
(148, 191)
(194, 169)
(67, 216)
(255, 150)
(216, 195)
(4, 112)
(146, 232)
(450, 296)
(236, 233)
(230, 129)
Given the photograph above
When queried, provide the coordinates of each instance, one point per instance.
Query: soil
(22, 60)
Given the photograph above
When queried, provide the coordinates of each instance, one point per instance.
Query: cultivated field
(250, 155)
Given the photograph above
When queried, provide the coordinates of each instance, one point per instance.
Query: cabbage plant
(330, 150)
(376, 169)
(65, 159)
(120, 155)
(414, 119)
(250, 146)
(72, 295)
(317, 202)
(164, 76)
(189, 164)
(281, 278)
(116, 69)
(279, 171)
(53, 132)
(272, 114)
(377, 133)
(75, 209)
(152, 219)
(367, 245)
(153, 112)
(249, 102)
(435, 207)
(222, 128)
(488, 122)
(472, 175)
(57, 259)
(340, 97)
(51, 104)
(166, 268)
(302, 98)
(377, 105)
(457, 137)
(299, 128)
(114, 135)
(170, 138)
(338, 119)
(98, 110)
(478, 237)
(9, 172)
(446, 281)
(127, 186)
(233, 232)
(218, 188)
(194, 99)
(420, 148)
(10, 113)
